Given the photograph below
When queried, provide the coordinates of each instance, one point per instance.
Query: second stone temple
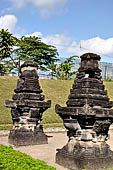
(87, 118)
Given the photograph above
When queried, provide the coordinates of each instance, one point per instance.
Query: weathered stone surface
(87, 118)
(27, 108)
(80, 155)
(29, 96)
(88, 91)
(24, 137)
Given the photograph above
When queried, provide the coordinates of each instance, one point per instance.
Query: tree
(7, 42)
(52, 68)
(64, 70)
(32, 49)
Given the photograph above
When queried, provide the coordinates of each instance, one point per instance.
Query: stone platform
(23, 137)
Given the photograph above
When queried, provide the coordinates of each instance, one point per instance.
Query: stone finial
(89, 66)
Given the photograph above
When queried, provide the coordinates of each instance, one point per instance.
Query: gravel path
(47, 152)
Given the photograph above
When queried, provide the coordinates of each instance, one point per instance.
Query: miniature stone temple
(87, 118)
(27, 108)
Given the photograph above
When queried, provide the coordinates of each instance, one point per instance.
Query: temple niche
(27, 108)
(87, 118)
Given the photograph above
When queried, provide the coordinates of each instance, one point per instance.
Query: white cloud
(74, 48)
(96, 45)
(8, 22)
(60, 41)
(36, 34)
(46, 7)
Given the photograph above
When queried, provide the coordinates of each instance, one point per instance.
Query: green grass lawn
(55, 90)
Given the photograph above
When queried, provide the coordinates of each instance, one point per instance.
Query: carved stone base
(24, 137)
(81, 155)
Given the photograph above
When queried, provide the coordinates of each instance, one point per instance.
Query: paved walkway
(47, 152)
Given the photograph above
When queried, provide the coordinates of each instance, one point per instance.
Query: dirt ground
(47, 152)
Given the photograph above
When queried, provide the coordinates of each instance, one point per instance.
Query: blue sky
(66, 24)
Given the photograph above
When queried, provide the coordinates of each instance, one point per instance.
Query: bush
(11, 159)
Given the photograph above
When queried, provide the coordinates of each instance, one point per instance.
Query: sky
(73, 26)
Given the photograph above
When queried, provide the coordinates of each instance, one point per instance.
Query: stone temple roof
(28, 63)
(90, 56)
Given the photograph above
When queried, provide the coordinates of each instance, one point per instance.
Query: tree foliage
(13, 49)
(7, 42)
(32, 49)
(64, 70)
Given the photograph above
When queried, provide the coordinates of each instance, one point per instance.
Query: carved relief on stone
(101, 127)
